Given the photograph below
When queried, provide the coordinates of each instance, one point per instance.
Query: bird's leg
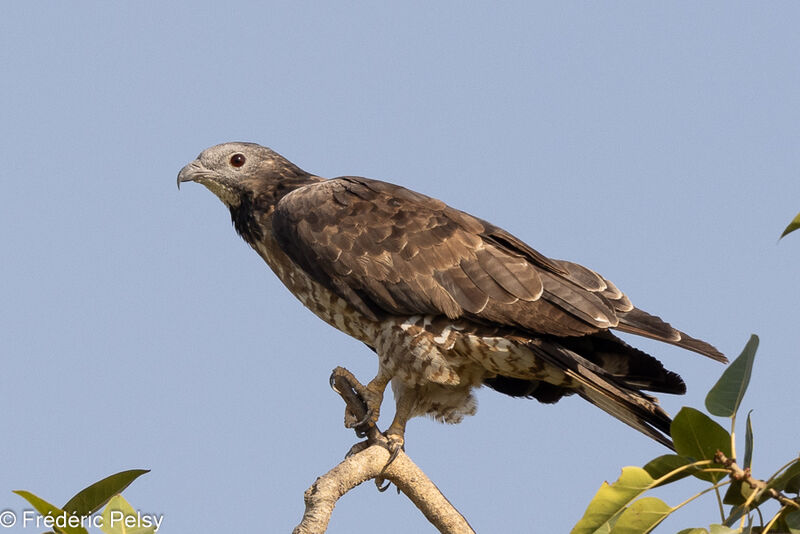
(396, 432)
(371, 394)
(370, 397)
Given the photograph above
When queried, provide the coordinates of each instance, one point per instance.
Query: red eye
(237, 160)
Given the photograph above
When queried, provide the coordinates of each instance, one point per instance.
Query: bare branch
(321, 497)
(373, 462)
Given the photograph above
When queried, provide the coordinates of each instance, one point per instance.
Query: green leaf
(794, 225)
(737, 493)
(666, 464)
(92, 498)
(696, 435)
(748, 442)
(788, 476)
(736, 514)
(792, 485)
(119, 517)
(608, 525)
(724, 398)
(779, 483)
(722, 529)
(642, 516)
(693, 531)
(611, 499)
(792, 521)
(62, 519)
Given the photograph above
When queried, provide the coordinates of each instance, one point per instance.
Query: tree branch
(373, 461)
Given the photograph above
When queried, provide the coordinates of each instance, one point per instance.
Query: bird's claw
(361, 427)
(371, 399)
(332, 381)
(358, 447)
(395, 445)
(368, 417)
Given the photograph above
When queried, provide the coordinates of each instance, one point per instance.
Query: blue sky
(655, 143)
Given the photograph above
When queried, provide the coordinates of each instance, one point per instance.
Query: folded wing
(392, 251)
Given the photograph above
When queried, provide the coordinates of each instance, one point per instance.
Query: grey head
(236, 170)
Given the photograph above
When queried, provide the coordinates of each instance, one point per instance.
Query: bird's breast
(328, 306)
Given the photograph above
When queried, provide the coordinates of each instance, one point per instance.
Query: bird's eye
(237, 160)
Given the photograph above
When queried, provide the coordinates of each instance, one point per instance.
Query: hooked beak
(221, 186)
(190, 173)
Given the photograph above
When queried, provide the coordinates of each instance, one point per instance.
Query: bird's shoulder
(356, 197)
(373, 208)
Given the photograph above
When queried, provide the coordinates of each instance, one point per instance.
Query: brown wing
(389, 250)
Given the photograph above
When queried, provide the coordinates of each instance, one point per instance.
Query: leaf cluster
(705, 451)
(88, 501)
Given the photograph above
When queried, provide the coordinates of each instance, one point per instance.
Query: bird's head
(241, 173)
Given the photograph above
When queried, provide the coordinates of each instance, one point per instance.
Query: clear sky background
(654, 142)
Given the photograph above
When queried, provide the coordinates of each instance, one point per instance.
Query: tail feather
(611, 393)
(629, 366)
(633, 408)
(642, 323)
(608, 372)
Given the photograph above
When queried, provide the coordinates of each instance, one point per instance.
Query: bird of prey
(449, 302)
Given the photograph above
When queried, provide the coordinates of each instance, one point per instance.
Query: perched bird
(449, 302)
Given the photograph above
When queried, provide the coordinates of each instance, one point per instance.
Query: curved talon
(363, 419)
(379, 483)
(395, 446)
(332, 382)
(367, 417)
(358, 447)
(361, 427)
(395, 451)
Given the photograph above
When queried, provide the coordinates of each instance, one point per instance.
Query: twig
(744, 475)
(373, 463)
